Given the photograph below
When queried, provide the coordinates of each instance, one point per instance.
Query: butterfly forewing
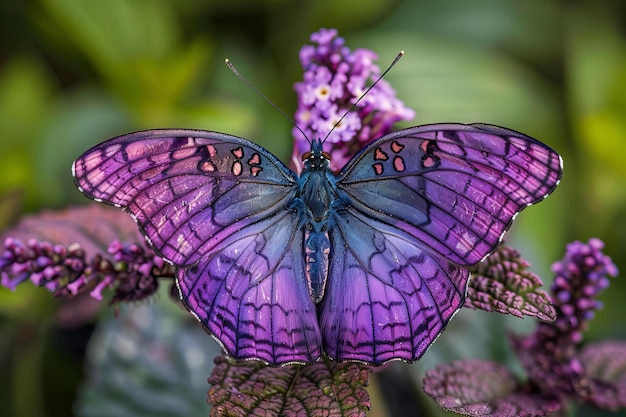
(187, 189)
(456, 188)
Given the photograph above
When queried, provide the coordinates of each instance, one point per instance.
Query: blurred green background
(76, 72)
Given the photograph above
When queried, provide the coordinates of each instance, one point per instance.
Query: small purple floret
(334, 79)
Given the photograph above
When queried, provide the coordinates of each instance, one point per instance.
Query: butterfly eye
(306, 155)
(326, 155)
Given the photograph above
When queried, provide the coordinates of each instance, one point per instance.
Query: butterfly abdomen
(317, 252)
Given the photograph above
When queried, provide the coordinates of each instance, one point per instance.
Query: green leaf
(148, 362)
(255, 389)
(112, 33)
(502, 284)
(451, 79)
(135, 46)
(597, 79)
(501, 24)
(25, 96)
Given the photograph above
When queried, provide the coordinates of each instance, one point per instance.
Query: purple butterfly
(367, 265)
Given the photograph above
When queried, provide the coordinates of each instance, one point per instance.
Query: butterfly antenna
(351, 109)
(256, 90)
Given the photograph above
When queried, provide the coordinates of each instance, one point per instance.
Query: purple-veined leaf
(254, 389)
(503, 284)
(605, 364)
(482, 388)
(93, 226)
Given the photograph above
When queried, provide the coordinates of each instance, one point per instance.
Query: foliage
(556, 371)
(316, 389)
(503, 284)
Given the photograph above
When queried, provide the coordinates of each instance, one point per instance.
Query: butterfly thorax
(317, 186)
(317, 192)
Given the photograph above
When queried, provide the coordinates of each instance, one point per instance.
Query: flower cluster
(65, 270)
(334, 79)
(41, 262)
(138, 271)
(580, 277)
(550, 354)
(556, 369)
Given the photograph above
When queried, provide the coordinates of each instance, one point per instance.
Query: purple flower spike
(138, 271)
(44, 264)
(78, 265)
(334, 79)
(580, 277)
(550, 354)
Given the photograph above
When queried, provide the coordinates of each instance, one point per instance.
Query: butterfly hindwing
(251, 294)
(388, 297)
(456, 188)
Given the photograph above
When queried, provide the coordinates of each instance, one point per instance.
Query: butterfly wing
(388, 296)
(418, 205)
(200, 197)
(186, 189)
(250, 293)
(456, 188)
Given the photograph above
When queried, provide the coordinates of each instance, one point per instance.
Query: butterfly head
(316, 159)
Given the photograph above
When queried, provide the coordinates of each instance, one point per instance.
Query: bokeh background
(76, 72)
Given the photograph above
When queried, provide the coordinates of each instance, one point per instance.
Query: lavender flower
(45, 264)
(334, 79)
(550, 354)
(580, 277)
(65, 271)
(77, 263)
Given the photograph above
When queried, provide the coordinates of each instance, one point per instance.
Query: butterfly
(366, 265)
